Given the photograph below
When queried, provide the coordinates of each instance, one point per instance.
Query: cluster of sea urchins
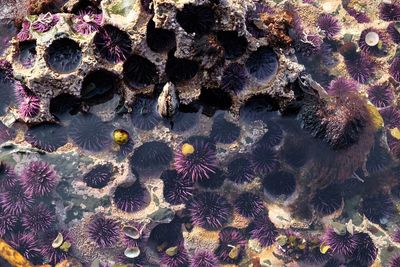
(342, 122)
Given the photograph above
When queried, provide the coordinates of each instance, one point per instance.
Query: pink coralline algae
(45, 22)
(24, 33)
(87, 21)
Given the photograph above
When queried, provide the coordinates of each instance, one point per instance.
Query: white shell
(131, 232)
(58, 241)
(372, 38)
(132, 252)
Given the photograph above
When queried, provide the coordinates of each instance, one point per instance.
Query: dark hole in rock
(259, 107)
(233, 44)
(98, 87)
(180, 69)
(86, 4)
(196, 19)
(214, 99)
(63, 55)
(262, 64)
(112, 44)
(159, 40)
(139, 72)
(27, 53)
(64, 104)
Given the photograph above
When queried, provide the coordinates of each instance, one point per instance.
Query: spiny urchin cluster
(39, 178)
(103, 231)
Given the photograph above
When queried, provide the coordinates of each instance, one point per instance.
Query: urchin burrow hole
(26, 54)
(63, 55)
(180, 69)
(197, 19)
(262, 64)
(139, 72)
(99, 86)
(159, 40)
(235, 45)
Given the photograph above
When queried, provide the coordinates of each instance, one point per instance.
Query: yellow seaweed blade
(376, 117)
(12, 256)
(395, 132)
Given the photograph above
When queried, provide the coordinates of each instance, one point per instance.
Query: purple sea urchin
(373, 42)
(151, 157)
(395, 261)
(264, 160)
(29, 107)
(112, 44)
(366, 251)
(28, 246)
(240, 170)
(381, 95)
(263, 230)
(329, 25)
(210, 210)
(224, 131)
(262, 64)
(98, 176)
(167, 234)
(89, 132)
(259, 107)
(391, 117)
(176, 189)
(131, 198)
(39, 178)
(8, 222)
(204, 258)
(342, 244)
(249, 205)
(7, 85)
(342, 86)
(389, 12)
(360, 16)
(15, 200)
(63, 55)
(196, 160)
(175, 257)
(253, 18)
(48, 137)
(159, 40)
(38, 219)
(378, 159)
(231, 247)
(215, 181)
(8, 178)
(198, 19)
(279, 184)
(234, 78)
(296, 152)
(144, 115)
(45, 22)
(394, 69)
(361, 68)
(87, 21)
(233, 44)
(393, 31)
(184, 119)
(98, 86)
(327, 200)
(273, 137)
(103, 231)
(54, 255)
(378, 208)
(139, 72)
